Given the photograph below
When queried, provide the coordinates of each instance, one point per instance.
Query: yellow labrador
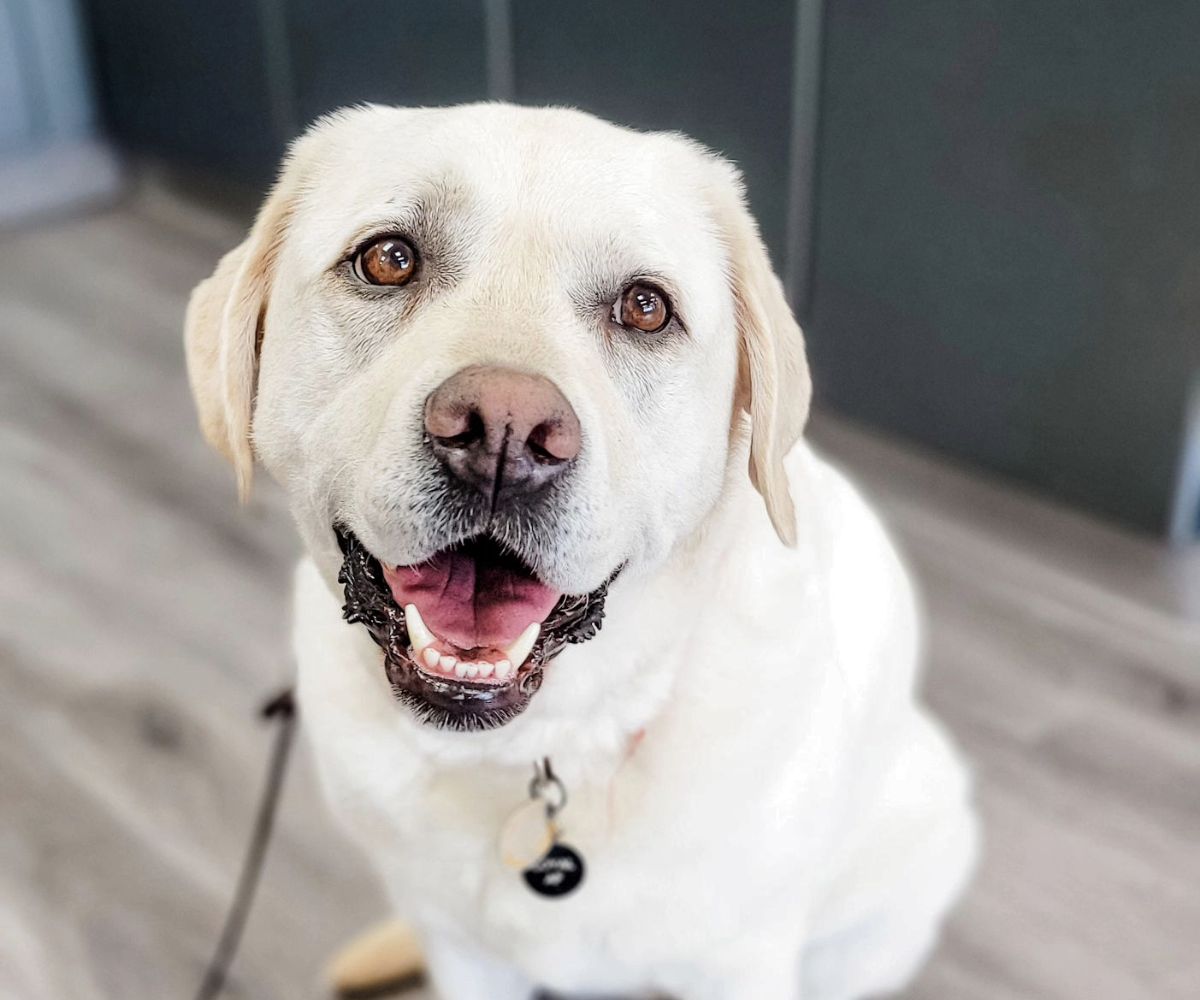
(536, 399)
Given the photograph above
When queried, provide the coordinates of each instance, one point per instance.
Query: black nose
(504, 432)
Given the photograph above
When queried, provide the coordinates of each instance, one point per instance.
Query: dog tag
(557, 874)
(526, 835)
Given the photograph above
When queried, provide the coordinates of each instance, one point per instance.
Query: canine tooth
(461, 670)
(430, 656)
(519, 651)
(486, 668)
(418, 632)
(503, 669)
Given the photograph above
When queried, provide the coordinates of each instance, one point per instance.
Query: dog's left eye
(643, 307)
(390, 260)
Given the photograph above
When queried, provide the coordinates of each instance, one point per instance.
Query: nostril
(466, 431)
(541, 455)
(552, 442)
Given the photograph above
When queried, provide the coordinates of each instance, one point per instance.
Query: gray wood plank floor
(145, 617)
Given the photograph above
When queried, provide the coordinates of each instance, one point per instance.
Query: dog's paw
(385, 958)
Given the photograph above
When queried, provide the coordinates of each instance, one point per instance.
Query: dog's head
(496, 356)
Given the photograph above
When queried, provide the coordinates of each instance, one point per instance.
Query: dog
(536, 399)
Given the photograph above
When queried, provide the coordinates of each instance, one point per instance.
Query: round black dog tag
(557, 874)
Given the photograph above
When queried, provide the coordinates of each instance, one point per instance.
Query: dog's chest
(666, 849)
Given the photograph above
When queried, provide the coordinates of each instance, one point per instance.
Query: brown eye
(642, 307)
(387, 261)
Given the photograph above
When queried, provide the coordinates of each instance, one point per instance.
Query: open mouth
(467, 633)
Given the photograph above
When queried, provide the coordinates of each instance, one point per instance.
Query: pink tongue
(471, 603)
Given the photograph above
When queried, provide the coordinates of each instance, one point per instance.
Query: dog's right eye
(389, 260)
(642, 306)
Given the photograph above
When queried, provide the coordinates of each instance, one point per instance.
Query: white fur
(792, 816)
(792, 823)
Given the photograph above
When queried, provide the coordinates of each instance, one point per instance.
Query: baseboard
(1185, 507)
(58, 178)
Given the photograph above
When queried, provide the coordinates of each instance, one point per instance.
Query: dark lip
(452, 704)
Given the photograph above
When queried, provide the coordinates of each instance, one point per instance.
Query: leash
(280, 709)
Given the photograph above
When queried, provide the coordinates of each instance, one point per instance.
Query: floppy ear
(773, 380)
(223, 332)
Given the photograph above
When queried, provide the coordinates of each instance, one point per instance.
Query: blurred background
(987, 215)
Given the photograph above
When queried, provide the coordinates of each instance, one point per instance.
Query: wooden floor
(144, 619)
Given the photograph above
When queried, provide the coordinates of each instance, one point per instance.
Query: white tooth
(461, 670)
(430, 656)
(447, 662)
(472, 670)
(519, 651)
(486, 668)
(418, 632)
(503, 669)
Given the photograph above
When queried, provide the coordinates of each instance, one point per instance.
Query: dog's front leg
(779, 982)
(762, 971)
(460, 970)
(765, 983)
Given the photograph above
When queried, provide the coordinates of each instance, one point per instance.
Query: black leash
(282, 708)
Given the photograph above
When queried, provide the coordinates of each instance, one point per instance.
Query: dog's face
(497, 357)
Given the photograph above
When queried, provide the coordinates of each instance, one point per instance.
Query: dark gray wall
(397, 53)
(227, 82)
(1001, 256)
(1007, 259)
(187, 80)
(719, 72)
